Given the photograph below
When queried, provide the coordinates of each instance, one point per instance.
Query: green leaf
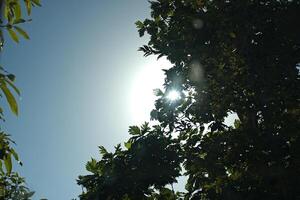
(22, 32)
(102, 150)
(8, 164)
(37, 2)
(28, 6)
(6, 11)
(127, 145)
(1, 168)
(139, 24)
(14, 153)
(145, 128)
(237, 123)
(13, 35)
(134, 130)
(118, 148)
(19, 21)
(14, 87)
(91, 166)
(17, 10)
(10, 98)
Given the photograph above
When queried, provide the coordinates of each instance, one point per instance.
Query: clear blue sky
(81, 78)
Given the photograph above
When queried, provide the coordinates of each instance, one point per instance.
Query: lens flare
(173, 95)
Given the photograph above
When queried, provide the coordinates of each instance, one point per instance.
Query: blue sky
(81, 78)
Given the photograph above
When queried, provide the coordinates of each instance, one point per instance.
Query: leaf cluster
(149, 163)
(13, 187)
(13, 17)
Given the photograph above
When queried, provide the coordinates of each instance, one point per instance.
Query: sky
(83, 83)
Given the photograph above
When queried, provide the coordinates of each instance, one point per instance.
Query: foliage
(13, 17)
(6, 154)
(13, 187)
(231, 57)
(7, 82)
(238, 57)
(150, 161)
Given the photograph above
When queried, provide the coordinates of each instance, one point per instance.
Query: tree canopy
(150, 159)
(229, 57)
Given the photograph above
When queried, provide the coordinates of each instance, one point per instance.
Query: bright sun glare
(142, 97)
(173, 95)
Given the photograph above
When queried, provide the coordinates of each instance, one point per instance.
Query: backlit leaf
(127, 145)
(10, 99)
(22, 32)
(13, 35)
(8, 164)
(11, 84)
(134, 130)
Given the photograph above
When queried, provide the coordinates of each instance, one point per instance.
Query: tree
(240, 57)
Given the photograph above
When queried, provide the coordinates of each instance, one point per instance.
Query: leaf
(1, 168)
(1, 68)
(154, 114)
(6, 12)
(127, 145)
(22, 32)
(237, 123)
(141, 32)
(1, 39)
(158, 92)
(11, 77)
(28, 6)
(117, 148)
(102, 150)
(145, 128)
(232, 34)
(37, 2)
(10, 98)
(134, 130)
(17, 11)
(139, 24)
(13, 35)
(91, 166)
(14, 87)
(8, 164)
(19, 21)
(14, 153)
(160, 55)
(30, 194)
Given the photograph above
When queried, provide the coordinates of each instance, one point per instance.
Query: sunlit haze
(173, 95)
(146, 79)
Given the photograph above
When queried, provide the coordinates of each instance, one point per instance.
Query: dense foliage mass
(14, 187)
(239, 57)
(150, 159)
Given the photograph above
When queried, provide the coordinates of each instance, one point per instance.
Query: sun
(142, 96)
(173, 95)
